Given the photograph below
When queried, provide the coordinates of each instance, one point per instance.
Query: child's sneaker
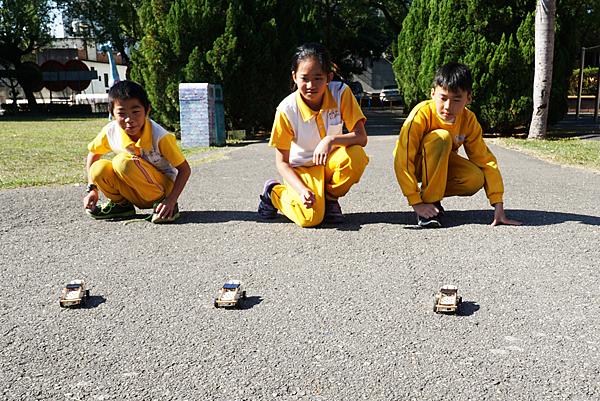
(158, 220)
(333, 212)
(266, 210)
(111, 210)
(434, 222)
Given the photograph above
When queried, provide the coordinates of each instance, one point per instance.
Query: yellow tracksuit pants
(344, 168)
(130, 178)
(443, 172)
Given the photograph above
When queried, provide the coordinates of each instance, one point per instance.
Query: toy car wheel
(61, 304)
(216, 304)
(238, 304)
(459, 300)
(435, 302)
(244, 294)
(87, 294)
(82, 302)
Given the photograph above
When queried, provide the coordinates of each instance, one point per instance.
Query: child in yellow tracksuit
(148, 171)
(317, 161)
(427, 151)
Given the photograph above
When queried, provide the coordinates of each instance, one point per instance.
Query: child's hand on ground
(89, 202)
(426, 210)
(165, 209)
(500, 217)
(321, 153)
(308, 198)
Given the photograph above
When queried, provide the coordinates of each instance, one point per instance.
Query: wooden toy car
(447, 301)
(74, 294)
(231, 295)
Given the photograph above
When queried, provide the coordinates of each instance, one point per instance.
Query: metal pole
(597, 92)
(580, 83)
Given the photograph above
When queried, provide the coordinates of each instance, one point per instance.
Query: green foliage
(246, 46)
(178, 34)
(497, 42)
(352, 30)
(114, 21)
(590, 82)
(251, 59)
(24, 28)
(243, 45)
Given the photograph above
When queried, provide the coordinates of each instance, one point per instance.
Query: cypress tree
(496, 41)
(178, 35)
(251, 59)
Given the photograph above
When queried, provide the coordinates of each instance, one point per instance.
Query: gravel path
(338, 312)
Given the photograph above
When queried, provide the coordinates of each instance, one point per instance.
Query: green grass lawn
(48, 151)
(558, 149)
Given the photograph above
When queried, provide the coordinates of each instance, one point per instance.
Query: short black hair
(124, 90)
(453, 76)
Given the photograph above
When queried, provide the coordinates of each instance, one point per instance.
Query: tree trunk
(25, 83)
(544, 53)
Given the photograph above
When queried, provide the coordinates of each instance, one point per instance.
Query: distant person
(317, 161)
(427, 151)
(149, 171)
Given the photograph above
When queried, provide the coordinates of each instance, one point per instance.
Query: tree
(252, 59)
(178, 34)
(544, 52)
(497, 42)
(353, 30)
(114, 21)
(246, 46)
(24, 28)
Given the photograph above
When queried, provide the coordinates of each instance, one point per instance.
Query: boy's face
(130, 116)
(449, 104)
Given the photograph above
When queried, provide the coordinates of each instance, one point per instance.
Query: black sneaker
(110, 210)
(266, 210)
(333, 212)
(434, 222)
(159, 220)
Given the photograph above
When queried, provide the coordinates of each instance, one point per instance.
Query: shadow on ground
(354, 221)
(468, 308)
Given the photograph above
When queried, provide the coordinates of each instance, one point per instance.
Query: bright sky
(57, 29)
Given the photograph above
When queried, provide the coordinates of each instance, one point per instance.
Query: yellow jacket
(465, 131)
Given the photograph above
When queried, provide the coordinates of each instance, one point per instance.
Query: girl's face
(311, 81)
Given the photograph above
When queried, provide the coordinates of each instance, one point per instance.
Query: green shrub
(497, 41)
(590, 82)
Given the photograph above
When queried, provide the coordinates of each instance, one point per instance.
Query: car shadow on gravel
(251, 302)
(93, 301)
(468, 308)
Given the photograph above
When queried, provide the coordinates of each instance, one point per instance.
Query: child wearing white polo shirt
(318, 162)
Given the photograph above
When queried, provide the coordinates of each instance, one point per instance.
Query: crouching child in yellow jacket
(427, 151)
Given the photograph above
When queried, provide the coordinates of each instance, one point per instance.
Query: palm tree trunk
(544, 54)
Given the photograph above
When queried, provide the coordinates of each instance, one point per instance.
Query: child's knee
(101, 170)
(311, 217)
(354, 159)
(468, 184)
(122, 162)
(438, 140)
(475, 181)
